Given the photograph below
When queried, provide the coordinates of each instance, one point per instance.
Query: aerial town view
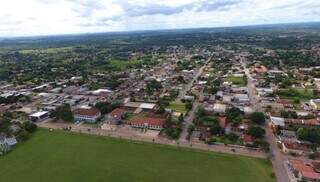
(208, 103)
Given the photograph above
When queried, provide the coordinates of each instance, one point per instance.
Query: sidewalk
(158, 140)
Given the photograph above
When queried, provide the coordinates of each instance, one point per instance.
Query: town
(231, 95)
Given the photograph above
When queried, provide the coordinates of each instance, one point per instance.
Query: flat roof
(38, 114)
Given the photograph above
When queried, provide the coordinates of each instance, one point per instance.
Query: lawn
(178, 107)
(61, 156)
(236, 80)
(297, 94)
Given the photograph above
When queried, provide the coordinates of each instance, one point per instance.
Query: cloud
(40, 17)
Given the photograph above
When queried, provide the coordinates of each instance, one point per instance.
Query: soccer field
(60, 156)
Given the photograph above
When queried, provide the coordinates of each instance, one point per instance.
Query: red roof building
(248, 139)
(86, 114)
(303, 171)
(147, 122)
(222, 122)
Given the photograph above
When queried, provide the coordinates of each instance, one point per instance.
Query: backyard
(62, 156)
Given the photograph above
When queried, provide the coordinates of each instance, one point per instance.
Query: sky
(53, 17)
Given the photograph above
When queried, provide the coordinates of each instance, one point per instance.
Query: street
(276, 157)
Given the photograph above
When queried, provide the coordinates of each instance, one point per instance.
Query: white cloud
(41, 17)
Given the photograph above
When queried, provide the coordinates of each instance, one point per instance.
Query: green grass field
(236, 80)
(297, 94)
(178, 107)
(59, 156)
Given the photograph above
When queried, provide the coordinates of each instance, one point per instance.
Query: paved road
(183, 92)
(190, 117)
(188, 121)
(159, 140)
(277, 158)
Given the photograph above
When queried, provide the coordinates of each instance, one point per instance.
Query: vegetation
(297, 94)
(74, 158)
(258, 118)
(309, 134)
(241, 81)
(256, 131)
(178, 107)
(63, 113)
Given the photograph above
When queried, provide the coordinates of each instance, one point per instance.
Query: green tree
(64, 113)
(258, 117)
(256, 131)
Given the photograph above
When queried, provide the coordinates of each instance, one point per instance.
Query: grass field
(59, 156)
(178, 107)
(297, 94)
(236, 80)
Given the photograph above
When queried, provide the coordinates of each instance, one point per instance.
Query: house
(289, 147)
(86, 114)
(6, 144)
(241, 98)
(287, 135)
(222, 121)
(303, 171)
(39, 116)
(219, 108)
(315, 104)
(276, 122)
(247, 139)
(147, 122)
(116, 116)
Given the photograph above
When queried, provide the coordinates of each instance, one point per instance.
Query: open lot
(60, 156)
(178, 107)
(297, 94)
(236, 80)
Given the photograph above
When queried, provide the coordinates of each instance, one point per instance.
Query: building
(247, 139)
(276, 122)
(219, 108)
(315, 104)
(147, 122)
(303, 171)
(116, 116)
(6, 144)
(39, 116)
(289, 147)
(86, 114)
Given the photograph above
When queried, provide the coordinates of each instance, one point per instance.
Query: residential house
(303, 171)
(289, 147)
(219, 108)
(116, 116)
(315, 104)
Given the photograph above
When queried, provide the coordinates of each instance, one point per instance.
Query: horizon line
(153, 30)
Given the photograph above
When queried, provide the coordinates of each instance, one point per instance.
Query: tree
(256, 131)
(181, 118)
(153, 86)
(215, 129)
(258, 117)
(104, 107)
(30, 127)
(189, 105)
(309, 134)
(233, 113)
(64, 113)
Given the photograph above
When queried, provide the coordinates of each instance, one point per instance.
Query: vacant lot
(178, 107)
(297, 94)
(59, 156)
(236, 80)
